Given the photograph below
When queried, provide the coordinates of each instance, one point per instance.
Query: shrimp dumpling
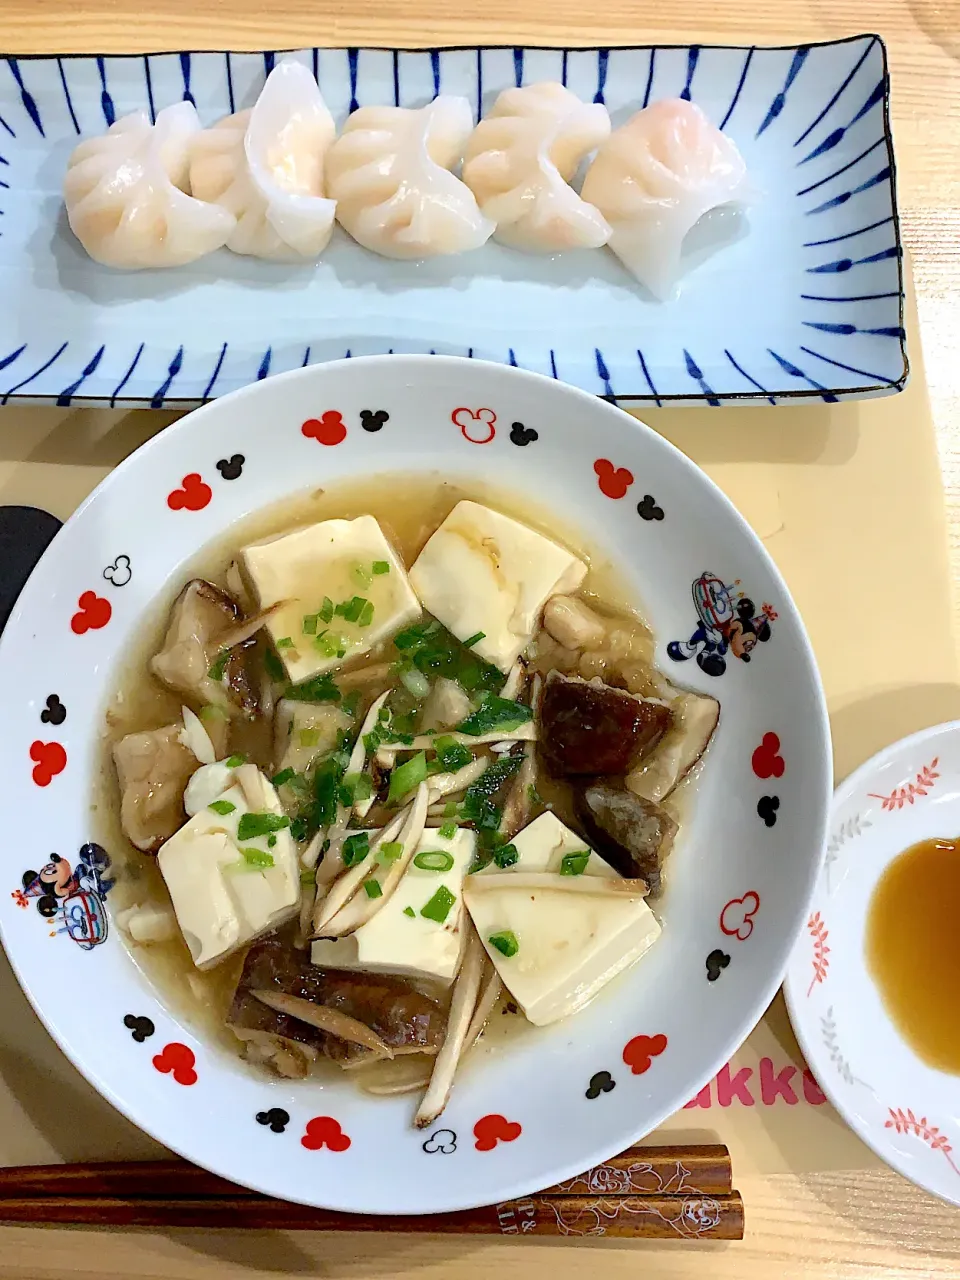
(126, 194)
(265, 167)
(654, 178)
(390, 173)
(519, 163)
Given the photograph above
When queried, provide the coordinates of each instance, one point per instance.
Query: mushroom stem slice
(462, 1006)
(332, 1021)
(489, 995)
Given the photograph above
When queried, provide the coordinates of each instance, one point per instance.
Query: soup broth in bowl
(421, 718)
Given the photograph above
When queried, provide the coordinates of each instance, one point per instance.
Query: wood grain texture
(843, 1225)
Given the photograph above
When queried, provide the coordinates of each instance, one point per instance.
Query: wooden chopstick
(675, 1192)
(642, 1217)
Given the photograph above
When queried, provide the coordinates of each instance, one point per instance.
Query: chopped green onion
(257, 858)
(448, 831)
(481, 635)
(234, 762)
(415, 682)
(438, 908)
(299, 828)
(533, 795)
(373, 888)
(351, 702)
(212, 713)
(326, 644)
(413, 637)
(285, 643)
(283, 776)
(309, 737)
(219, 665)
(309, 876)
(452, 755)
(361, 575)
(381, 567)
(275, 668)
(318, 689)
(505, 942)
(506, 856)
(356, 786)
(253, 825)
(326, 790)
(406, 777)
(223, 807)
(366, 615)
(325, 613)
(495, 714)
(271, 842)
(433, 860)
(355, 848)
(409, 911)
(310, 624)
(574, 864)
(383, 715)
(350, 610)
(391, 851)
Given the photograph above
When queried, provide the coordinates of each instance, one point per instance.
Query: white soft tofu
(542, 846)
(573, 936)
(481, 571)
(221, 901)
(413, 946)
(331, 560)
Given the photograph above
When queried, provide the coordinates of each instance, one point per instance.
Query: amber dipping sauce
(913, 949)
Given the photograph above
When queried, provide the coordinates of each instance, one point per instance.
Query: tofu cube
(341, 561)
(570, 937)
(542, 846)
(400, 939)
(222, 898)
(482, 572)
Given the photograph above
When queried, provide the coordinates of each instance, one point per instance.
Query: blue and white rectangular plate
(807, 304)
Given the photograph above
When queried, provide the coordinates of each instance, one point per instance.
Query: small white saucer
(908, 1112)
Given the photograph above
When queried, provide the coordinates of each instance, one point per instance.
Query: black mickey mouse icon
(55, 712)
(373, 420)
(648, 509)
(231, 468)
(140, 1028)
(522, 435)
(276, 1119)
(717, 961)
(767, 807)
(602, 1082)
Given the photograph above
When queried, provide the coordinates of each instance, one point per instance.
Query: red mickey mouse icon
(327, 429)
(489, 1130)
(93, 612)
(613, 481)
(767, 762)
(640, 1052)
(475, 425)
(193, 496)
(49, 760)
(179, 1061)
(324, 1131)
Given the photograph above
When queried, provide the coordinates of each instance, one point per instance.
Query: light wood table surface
(800, 1226)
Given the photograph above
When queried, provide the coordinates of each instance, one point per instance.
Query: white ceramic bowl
(555, 1101)
(907, 1111)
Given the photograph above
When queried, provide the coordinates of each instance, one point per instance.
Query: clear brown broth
(409, 508)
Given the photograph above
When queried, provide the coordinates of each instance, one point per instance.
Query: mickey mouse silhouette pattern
(727, 622)
(71, 897)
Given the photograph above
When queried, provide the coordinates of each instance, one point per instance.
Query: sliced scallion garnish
(253, 825)
(406, 777)
(257, 858)
(433, 860)
(438, 907)
(223, 807)
(481, 635)
(373, 888)
(505, 942)
(355, 848)
(380, 567)
(574, 864)
(283, 776)
(391, 851)
(506, 855)
(448, 831)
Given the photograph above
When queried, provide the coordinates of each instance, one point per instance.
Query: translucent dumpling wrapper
(519, 163)
(654, 178)
(126, 194)
(265, 166)
(390, 173)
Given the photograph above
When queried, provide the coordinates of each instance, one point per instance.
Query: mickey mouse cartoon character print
(71, 898)
(727, 622)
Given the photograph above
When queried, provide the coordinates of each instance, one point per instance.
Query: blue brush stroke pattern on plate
(807, 304)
